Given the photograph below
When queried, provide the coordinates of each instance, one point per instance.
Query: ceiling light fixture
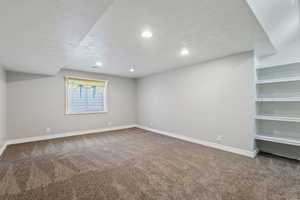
(184, 52)
(131, 70)
(99, 64)
(147, 34)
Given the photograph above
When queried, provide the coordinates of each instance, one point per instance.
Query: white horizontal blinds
(85, 95)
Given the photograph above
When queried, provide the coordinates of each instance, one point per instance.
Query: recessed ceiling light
(99, 64)
(131, 70)
(184, 52)
(147, 34)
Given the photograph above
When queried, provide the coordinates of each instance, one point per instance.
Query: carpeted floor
(136, 164)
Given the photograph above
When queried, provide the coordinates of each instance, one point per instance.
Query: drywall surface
(37, 102)
(212, 101)
(279, 19)
(2, 107)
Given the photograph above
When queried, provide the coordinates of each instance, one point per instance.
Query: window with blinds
(85, 96)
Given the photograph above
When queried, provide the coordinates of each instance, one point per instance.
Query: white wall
(2, 107)
(37, 102)
(203, 101)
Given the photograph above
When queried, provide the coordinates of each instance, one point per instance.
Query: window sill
(85, 113)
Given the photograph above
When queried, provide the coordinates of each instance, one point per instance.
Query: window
(85, 96)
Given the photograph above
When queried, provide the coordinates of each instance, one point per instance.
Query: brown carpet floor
(135, 164)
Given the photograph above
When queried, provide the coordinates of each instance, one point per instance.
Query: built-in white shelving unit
(288, 99)
(278, 103)
(278, 80)
(275, 118)
(290, 141)
(277, 65)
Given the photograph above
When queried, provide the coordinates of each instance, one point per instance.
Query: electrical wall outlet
(109, 123)
(48, 130)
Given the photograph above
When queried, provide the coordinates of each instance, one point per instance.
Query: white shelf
(274, 118)
(283, 79)
(279, 80)
(290, 141)
(279, 65)
(287, 99)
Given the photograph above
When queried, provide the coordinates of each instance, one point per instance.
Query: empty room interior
(150, 100)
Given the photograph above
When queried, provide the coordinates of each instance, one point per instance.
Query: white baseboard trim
(251, 154)
(62, 135)
(255, 152)
(3, 148)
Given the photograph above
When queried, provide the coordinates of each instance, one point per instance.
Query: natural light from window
(85, 96)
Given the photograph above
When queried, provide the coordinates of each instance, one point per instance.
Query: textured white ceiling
(41, 36)
(38, 35)
(208, 28)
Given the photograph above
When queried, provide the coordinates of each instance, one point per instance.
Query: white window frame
(88, 112)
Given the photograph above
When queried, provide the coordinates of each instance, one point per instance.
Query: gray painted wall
(2, 107)
(203, 101)
(37, 102)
